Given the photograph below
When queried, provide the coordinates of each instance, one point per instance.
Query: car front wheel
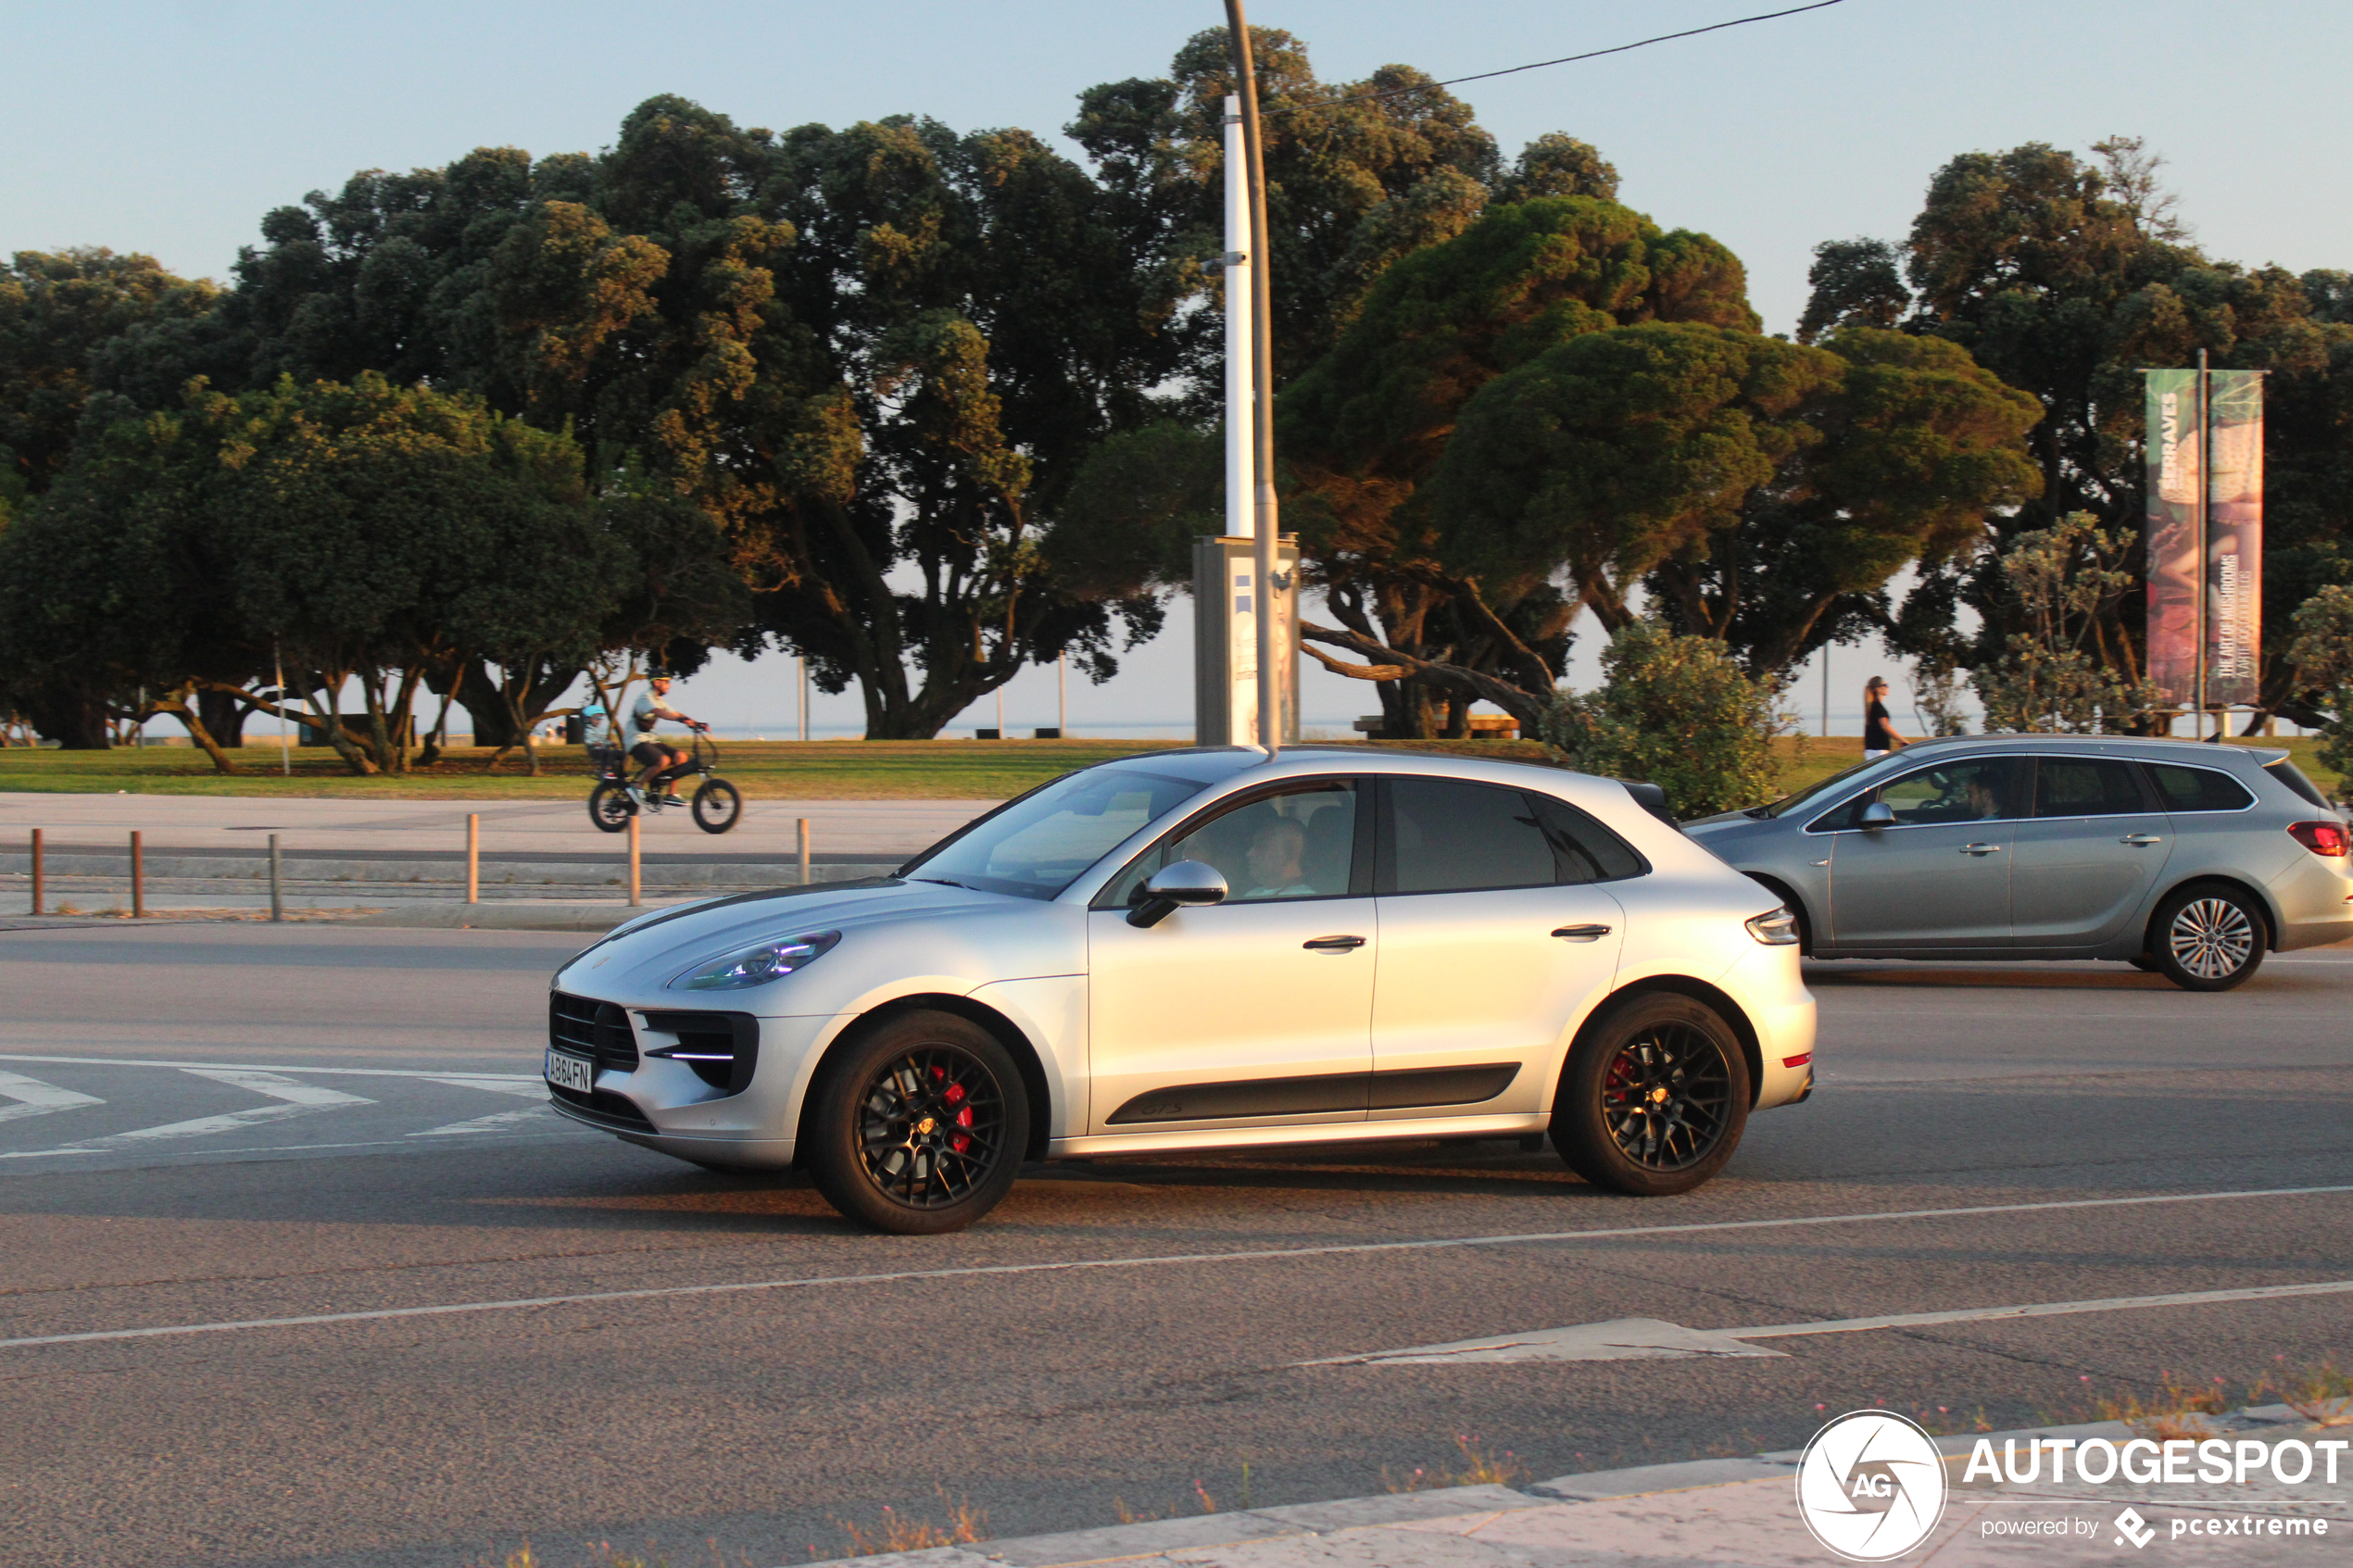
(1653, 1098)
(2207, 938)
(920, 1126)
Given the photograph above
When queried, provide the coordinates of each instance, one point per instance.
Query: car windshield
(1813, 792)
(1036, 845)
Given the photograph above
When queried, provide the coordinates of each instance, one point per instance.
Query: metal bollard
(635, 887)
(803, 828)
(138, 880)
(473, 856)
(277, 900)
(36, 872)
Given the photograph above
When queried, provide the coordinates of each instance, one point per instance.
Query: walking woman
(1878, 735)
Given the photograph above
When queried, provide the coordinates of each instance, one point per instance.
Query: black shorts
(649, 754)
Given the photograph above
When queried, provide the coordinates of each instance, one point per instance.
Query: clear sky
(170, 128)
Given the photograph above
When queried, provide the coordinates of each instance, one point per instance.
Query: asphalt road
(1140, 1334)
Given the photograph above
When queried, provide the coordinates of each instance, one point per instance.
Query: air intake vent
(597, 1030)
(721, 1047)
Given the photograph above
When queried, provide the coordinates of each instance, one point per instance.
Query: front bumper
(663, 1103)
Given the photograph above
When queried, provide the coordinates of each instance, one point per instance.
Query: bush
(2323, 654)
(1678, 711)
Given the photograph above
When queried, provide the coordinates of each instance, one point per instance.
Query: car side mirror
(1877, 814)
(1187, 881)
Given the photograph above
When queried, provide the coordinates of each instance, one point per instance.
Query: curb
(1565, 1495)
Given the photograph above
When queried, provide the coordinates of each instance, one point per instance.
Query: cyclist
(662, 763)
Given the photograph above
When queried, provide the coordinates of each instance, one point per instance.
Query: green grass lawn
(959, 770)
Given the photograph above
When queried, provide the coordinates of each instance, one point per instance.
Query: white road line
(294, 1100)
(496, 1121)
(445, 1073)
(1077, 1265)
(2043, 1310)
(34, 1098)
(1623, 1339)
(529, 1089)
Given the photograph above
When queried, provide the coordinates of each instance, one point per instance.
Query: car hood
(660, 941)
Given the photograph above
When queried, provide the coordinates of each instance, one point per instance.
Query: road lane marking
(452, 1074)
(34, 1098)
(294, 1100)
(490, 1124)
(1649, 1338)
(1076, 1265)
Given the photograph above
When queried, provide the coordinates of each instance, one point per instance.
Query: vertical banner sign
(2176, 468)
(2234, 538)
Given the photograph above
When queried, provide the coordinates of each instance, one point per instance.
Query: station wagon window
(2087, 786)
(1972, 789)
(1295, 844)
(2198, 789)
(1446, 836)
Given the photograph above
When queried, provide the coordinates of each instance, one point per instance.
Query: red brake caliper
(963, 1118)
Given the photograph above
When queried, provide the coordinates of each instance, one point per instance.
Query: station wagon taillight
(2322, 838)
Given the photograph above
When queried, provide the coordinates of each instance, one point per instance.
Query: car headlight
(757, 964)
(1776, 928)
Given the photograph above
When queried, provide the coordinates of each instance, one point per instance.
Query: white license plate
(570, 1072)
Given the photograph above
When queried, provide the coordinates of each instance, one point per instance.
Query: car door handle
(1981, 850)
(1333, 944)
(1581, 933)
(2143, 840)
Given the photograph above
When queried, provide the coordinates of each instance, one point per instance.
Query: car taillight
(2322, 838)
(1776, 928)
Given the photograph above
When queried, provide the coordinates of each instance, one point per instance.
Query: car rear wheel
(2209, 938)
(920, 1126)
(1655, 1097)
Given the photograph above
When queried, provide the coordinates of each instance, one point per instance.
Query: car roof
(2150, 748)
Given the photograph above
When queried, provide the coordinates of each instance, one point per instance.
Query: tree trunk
(224, 716)
(478, 694)
(75, 720)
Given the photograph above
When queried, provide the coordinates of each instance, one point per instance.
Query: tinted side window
(1583, 850)
(1299, 844)
(1972, 789)
(1448, 838)
(2289, 774)
(2085, 786)
(2198, 789)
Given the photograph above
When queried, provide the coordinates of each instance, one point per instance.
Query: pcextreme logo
(1871, 1486)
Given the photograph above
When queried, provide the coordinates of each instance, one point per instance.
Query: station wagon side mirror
(1187, 881)
(1877, 814)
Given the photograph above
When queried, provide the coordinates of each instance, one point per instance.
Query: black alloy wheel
(1655, 1097)
(2208, 938)
(609, 806)
(919, 1128)
(718, 806)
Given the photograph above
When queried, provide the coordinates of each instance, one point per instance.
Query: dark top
(1876, 735)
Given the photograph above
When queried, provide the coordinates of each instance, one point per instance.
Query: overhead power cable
(1565, 59)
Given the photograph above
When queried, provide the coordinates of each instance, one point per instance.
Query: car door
(1939, 875)
(2083, 865)
(1253, 1011)
(1497, 929)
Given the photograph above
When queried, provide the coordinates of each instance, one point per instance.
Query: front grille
(598, 1031)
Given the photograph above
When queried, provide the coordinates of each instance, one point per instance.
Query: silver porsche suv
(2186, 858)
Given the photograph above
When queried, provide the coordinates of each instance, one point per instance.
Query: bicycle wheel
(609, 806)
(717, 805)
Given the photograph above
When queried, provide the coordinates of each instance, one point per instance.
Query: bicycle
(717, 805)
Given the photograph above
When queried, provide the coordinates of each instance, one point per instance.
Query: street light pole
(1261, 357)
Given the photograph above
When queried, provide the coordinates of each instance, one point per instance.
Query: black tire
(718, 806)
(2209, 936)
(2147, 963)
(919, 1126)
(609, 807)
(1653, 1098)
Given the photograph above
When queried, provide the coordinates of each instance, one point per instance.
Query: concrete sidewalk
(882, 829)
(1731, 1511)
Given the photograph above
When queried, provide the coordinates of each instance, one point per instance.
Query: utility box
(1226, 604)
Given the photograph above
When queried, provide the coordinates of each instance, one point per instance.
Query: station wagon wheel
(1655, 1097)
(919, 1128)
(2209, 938)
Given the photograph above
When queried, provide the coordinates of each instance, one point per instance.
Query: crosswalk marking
(294, 1100)
(34, 1098)
(491, 1123)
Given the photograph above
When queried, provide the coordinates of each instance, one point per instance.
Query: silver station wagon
(2186, 858)
(1209, 949)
